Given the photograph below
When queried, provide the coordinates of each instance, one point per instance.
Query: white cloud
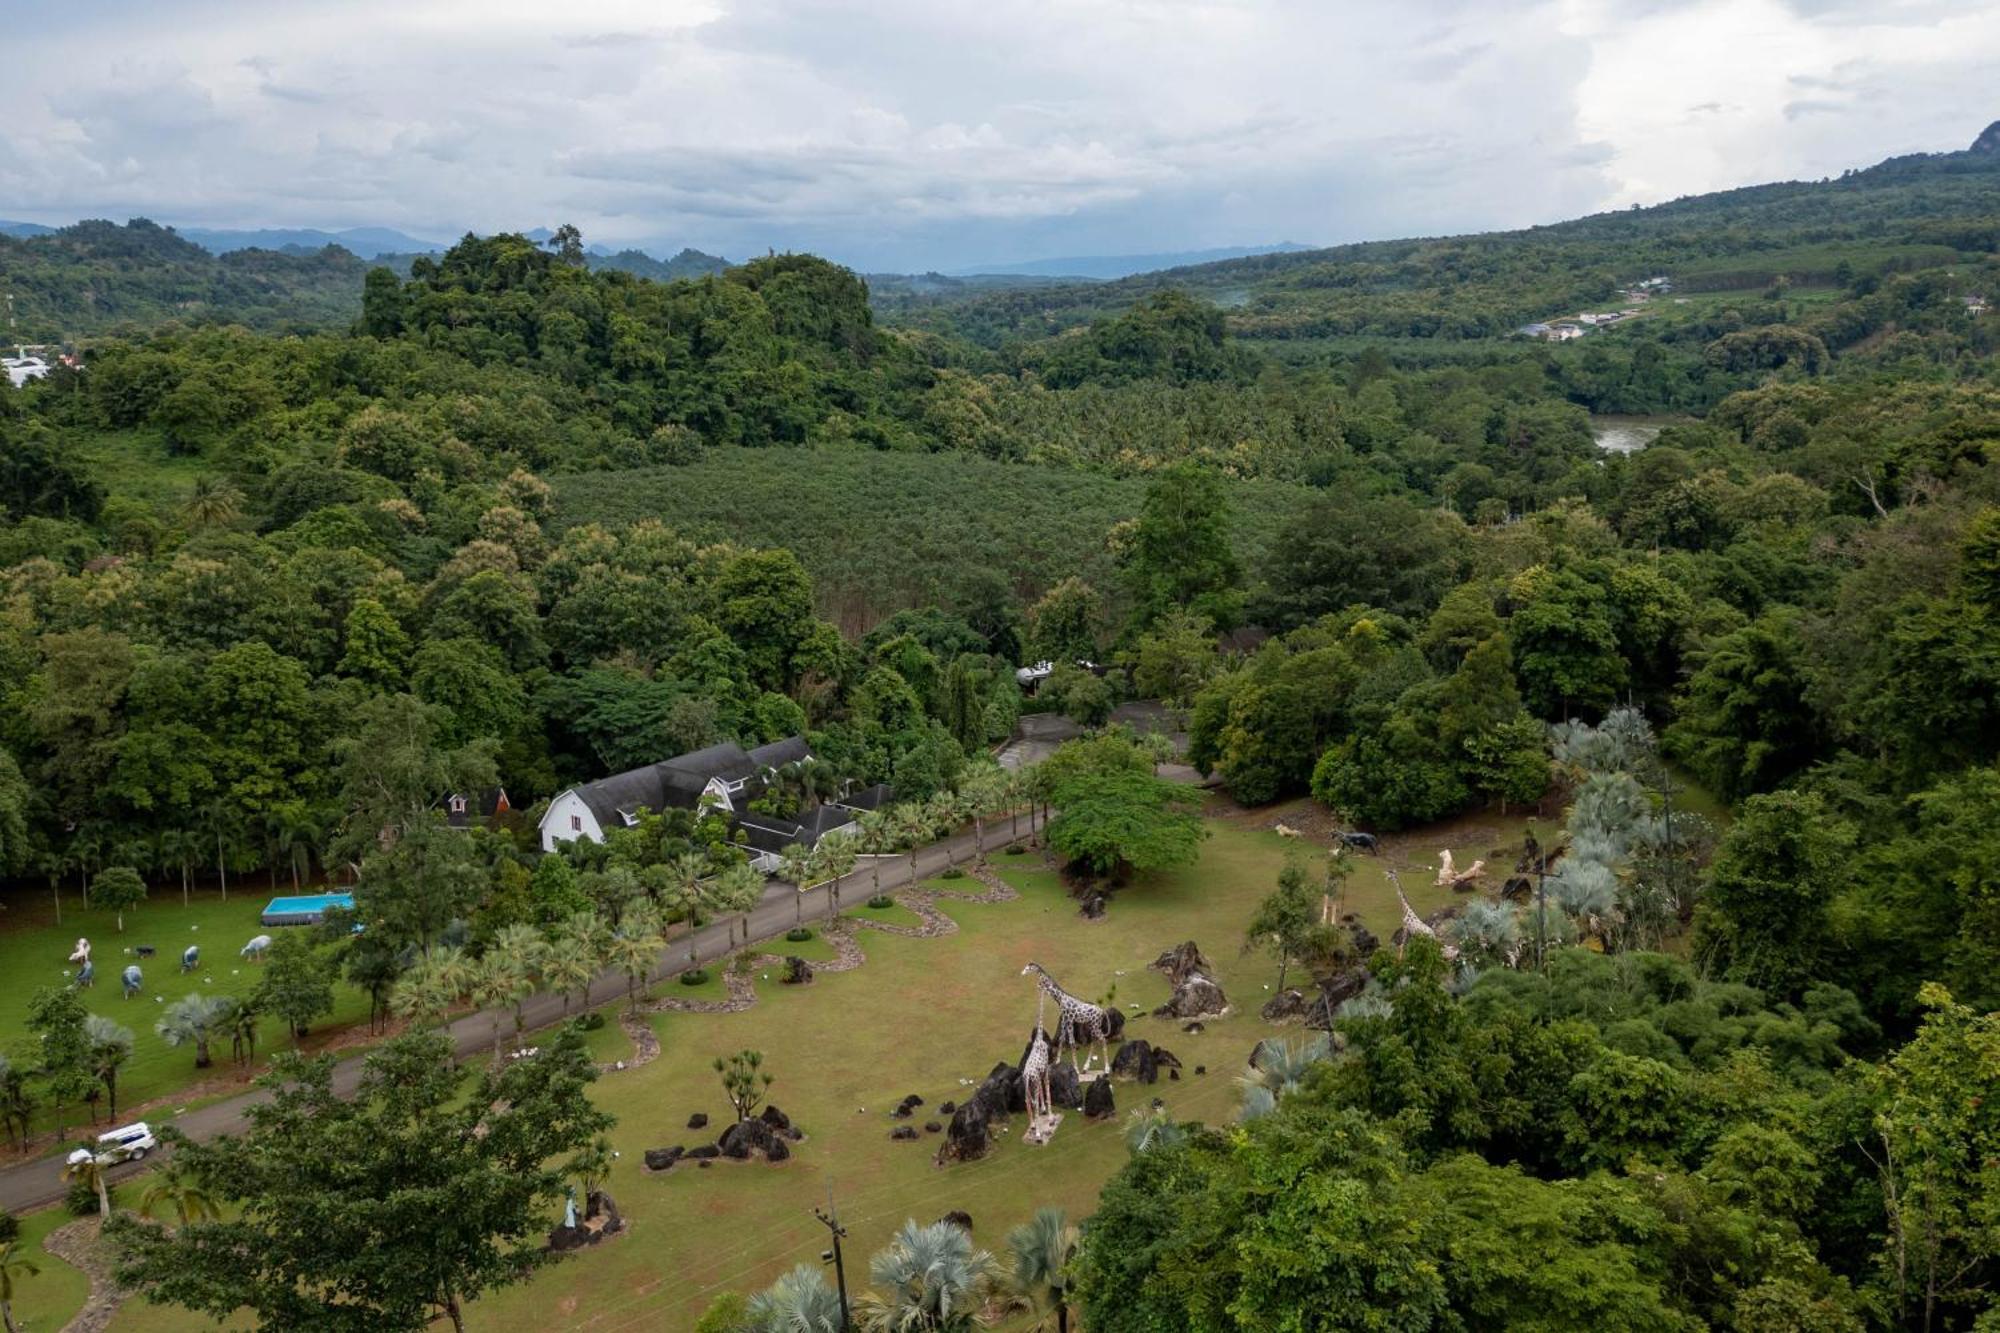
(915, 132)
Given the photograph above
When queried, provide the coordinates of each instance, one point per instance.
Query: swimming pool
(307, 909)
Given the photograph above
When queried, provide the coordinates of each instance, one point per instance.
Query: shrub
(1017, 850)
(880, 901)
(81, 1200)
(798, 934)
(951, 872)
(694, 976)
(591, 1021)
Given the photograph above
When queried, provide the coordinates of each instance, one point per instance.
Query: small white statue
(1444, 867)
(81, 954)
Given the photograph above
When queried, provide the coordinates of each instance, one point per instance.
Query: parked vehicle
(128, 1144)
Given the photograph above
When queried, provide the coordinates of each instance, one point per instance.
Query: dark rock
(1065, 1087)
(1116, 1024)
(1196, 996)
(704, 1163)
(946, 1108)
(705, 1152)
(1174, 1074)
(913, 1100)
(1334, 992)
(1097, 1100)
(600, 1204)
(797, 971)
(900, 1113)
(1182, 962)
(1165, 1058)
(1094, 905)
(1001, 1094)
(775, 1118)
(746, 1138)
(779, 1150)
(1286, 1004)
(968, 1136)
(699, 1120)
(660, 1159)
(1194, 1027)
(1135, 1060)
(933, 1127)
(959, 1219)
(1365, 942)
(1200, 1070)
(903, 1133)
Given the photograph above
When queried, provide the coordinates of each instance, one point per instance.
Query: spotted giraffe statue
(1076, 1020)
(1035, 1076)
(1416, 925)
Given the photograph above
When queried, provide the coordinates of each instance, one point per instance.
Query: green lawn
(34, 950)
(50, 1298)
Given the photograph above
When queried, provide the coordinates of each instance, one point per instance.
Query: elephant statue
(190, 958)
(133, 977)
(254, 950)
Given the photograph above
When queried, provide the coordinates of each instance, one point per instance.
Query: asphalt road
(32, 1184)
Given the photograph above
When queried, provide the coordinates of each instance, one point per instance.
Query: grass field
(919, 1016)
(33, 950)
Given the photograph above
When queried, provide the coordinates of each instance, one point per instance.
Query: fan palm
(212, 502)
(946, 811)
(173, 1188)
(982, 792)
(84, 1169)
(196, 1019)
(875, 837)
(1278, 1067)
(525, 952)
(1150, 1129)
(736, 890)
(13, 1266)
(796, 867)
(500, 985)
(567, 966)
(635, 949)
(424, 991)
(927, 1278)
(240, 1022)
(1043, 1252)
(798, 1302)
(110, 1047)
(837, 855)
(913, 830)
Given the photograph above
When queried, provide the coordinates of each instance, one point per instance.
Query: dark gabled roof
(611, 799)
(869, 798)
(766, 833)
(727, 761)
(483, 806)
(790, 750)
(822, 820)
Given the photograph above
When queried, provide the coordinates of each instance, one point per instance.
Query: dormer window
(458, 805)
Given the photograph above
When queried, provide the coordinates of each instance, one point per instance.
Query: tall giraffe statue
(1035, 1075)
(1416, 925)
(1074, 1018)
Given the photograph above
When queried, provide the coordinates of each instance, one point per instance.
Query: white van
(119, 1145)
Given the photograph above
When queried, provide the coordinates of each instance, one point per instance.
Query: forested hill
(1904, 213)
(98, 277)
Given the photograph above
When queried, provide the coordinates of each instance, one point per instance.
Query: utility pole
(830, 1219)
(1541, 906)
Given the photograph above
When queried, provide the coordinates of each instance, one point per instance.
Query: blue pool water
(304, 909)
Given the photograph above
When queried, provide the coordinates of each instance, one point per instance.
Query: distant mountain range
(23, 228)
(1123, 266)
(365, 242)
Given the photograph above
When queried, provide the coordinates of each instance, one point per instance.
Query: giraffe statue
(1075, 1019)
(1035, 1076)
(1416, 925)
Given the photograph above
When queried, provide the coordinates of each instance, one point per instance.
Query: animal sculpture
(86, 976)
(1445, 872)
(1287, 831)
(1076, 1020)
(132, 978)
(254, 950)
(81, 954)
(190, 958)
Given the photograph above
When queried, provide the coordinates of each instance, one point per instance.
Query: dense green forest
(528, 520)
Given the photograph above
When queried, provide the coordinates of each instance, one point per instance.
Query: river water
(1625, 434)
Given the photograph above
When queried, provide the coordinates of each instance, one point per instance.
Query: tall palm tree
(796, 866)
(981, 793)
(84, 1169)
(497, 986)
(525, 952)
(110, 1047)
(567, 966)
(876, 837)
(635, 948)
(196, 1019)
(946, 811)
(927, 1278)
(798, 1302)
(913, 830)
(1044, 1252)
(294, 831)
(423, 992)
(14, 1265)
(180, 847)
(685, 873)
(240, 1022)
(173, 1188)
(837, 855)
(737, 890)
(212, 503)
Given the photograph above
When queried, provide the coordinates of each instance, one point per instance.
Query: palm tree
(212, 502)
(685, 872)
(294, 831)
(738, 889)
(196, 1018)
(240, 1022)
(110, 1047)
(84, 1169)
(946, 811)
(837, 855)
(173, 1187)
(424, 991)
(567, 966)
(796, 866)
(526, 952)
(876, 836)
(1278, 1067)
(180, 847)
(1043, 1251)
(913, 830)
(798, 1302)
(13, 1265)
(1155, 1128)
(500, 985)
(635, 949)
(17, 1107)
(928, 1278)
(981, 792)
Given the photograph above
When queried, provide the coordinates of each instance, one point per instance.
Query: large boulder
(699, 1120)
(1097, 1100)
(660, 1159)
(1286, 1005)
(1182, 962)
(960, 1219)
(1196, 996)
(797, 971)
(969, 1134)
(1001, 1094)
(748, 1138)
(1135, 1061)
(1116, 1023)
(903, 1133)
(1065, 1088)
(779, 1122)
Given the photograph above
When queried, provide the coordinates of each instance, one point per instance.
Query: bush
(591, 1021)
(81, 1201)
(880, 901)
(951, 872)
(694, 976)
(10, 1228)
(798, 934)
(1017, 850)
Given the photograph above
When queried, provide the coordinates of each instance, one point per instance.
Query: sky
(915, 134)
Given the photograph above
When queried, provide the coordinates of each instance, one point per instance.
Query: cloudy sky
(939, 133)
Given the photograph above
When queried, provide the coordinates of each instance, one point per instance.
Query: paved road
(32, 1184)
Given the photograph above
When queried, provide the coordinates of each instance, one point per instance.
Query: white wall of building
(569, 820)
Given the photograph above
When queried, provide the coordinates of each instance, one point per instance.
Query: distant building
(1975, 306)
(726, 776)
(1533, 331)
(21, 369)
(462, 809)
(1562, 333)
